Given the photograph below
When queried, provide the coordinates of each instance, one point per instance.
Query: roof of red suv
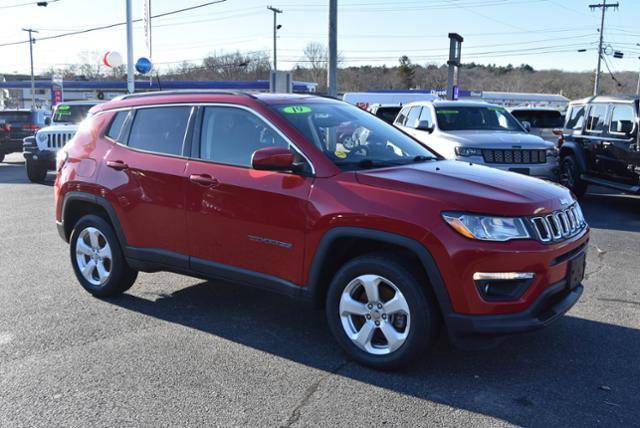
(184, 96)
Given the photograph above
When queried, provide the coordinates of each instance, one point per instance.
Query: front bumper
(32, 153)
(551, 305)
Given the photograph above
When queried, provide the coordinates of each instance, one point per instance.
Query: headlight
(552, 152)
(468, 151)
(487, 228)
(41, 137)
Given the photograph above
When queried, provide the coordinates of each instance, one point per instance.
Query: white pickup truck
(40, 150)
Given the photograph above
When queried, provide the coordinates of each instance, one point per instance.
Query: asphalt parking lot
(180, 351)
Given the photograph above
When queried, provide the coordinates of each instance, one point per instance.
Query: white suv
(480, 133)
(40, 150)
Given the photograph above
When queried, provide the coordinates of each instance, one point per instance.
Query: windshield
(476, 118)
(540, 118)
(71, 113)
(353, 138)
(15, 117)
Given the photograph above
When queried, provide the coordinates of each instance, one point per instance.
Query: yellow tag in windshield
(340, 154)
(296, 110)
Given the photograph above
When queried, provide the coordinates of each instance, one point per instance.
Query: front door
(240, 218)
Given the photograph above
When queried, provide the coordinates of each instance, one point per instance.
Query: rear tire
(570, 176)
(36, 173)
(97, 258)
(384, 329)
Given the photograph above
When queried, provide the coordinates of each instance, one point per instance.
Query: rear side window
(597, 118)
(115, 129)
(160, 129)
(575, 117)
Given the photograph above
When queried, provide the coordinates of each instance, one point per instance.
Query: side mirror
(526, 125)
(47, 121)
(273, 159)
(424, 125)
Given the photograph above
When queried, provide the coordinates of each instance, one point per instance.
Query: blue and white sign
(144, 65)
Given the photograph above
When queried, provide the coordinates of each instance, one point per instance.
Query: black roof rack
(185, 92)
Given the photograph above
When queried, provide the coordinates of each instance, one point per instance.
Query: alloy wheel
(375, 314)
(93, 256)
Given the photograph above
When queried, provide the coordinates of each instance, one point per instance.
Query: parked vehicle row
(319, 200)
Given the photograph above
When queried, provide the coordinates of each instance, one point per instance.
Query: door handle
(606, 143)
(203, 180)
(118, 165)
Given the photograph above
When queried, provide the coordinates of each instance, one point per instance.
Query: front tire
(97, 258)
(570, 176)
(36, 173)
(380, 313)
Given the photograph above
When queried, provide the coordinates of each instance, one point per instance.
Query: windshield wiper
(422, 158)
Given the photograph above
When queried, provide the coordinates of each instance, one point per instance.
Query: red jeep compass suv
(317, 199)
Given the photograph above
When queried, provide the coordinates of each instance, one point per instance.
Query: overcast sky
(542, 33)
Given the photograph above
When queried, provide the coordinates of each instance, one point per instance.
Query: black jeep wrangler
(600, 144)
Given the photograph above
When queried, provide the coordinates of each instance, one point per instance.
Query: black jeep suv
(600, 144)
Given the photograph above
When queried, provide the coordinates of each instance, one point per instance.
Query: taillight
(30, 127)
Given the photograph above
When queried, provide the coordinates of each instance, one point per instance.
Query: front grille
(58, 140)
(514, 156)
(559, 225)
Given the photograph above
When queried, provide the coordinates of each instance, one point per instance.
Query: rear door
(145, 170)
(593, 136)
(239, 218)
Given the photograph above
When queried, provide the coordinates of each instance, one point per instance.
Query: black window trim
(190, 146)
(195, 141)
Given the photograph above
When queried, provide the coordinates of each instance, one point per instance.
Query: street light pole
(275, 35)
(131, 87)
(33, 81)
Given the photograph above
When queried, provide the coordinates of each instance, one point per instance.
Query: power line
(104, 27)
(28, 4)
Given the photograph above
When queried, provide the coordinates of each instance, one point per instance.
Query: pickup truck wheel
(570, 176)
(97, 259)
(36, 173)
(380, 314)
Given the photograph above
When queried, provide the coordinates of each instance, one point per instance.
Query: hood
(496, 139)
(71, 127)
(468, 187)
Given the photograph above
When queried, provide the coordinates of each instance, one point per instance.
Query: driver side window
(230, 136)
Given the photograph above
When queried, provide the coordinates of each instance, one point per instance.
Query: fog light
(502, 286)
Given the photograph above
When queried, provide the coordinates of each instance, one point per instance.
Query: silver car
(546, 123)
(480, 133)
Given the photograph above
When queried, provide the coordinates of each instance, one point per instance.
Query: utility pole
(33, 81)
(332, 70)
(604, 6)
(276, 27)
(131, 84)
